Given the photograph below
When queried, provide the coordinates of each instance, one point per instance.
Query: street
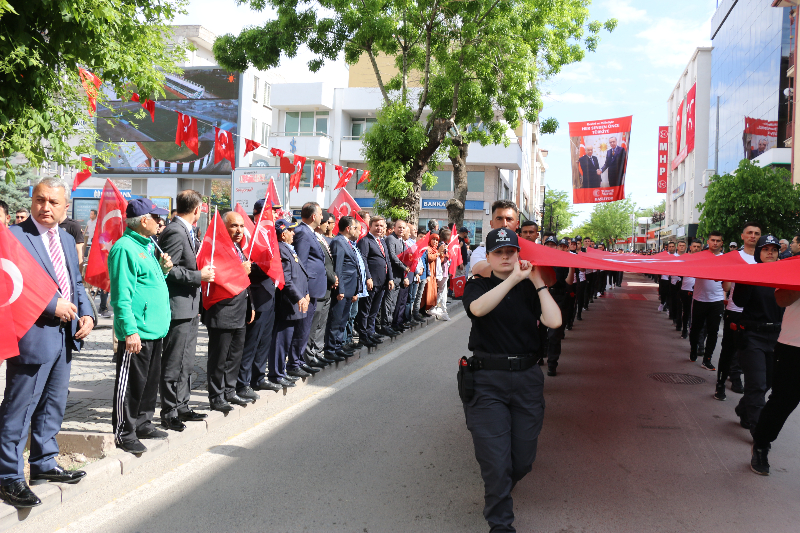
(385, 448)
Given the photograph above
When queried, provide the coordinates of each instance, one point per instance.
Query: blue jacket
(377, 263)
(345, 264)
(295, 286)
(311, 256)
(42, 343)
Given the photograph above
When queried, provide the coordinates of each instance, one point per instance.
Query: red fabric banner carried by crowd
(218, 251)
(110, 227)
(412, 254)
(84, 174)
(784, 274)
(28, 289)
(261, 253)
(294, 179)
(454, 251)
(186, 132)
(600, 176)
(458, 286)
(663, 156)
(319, 175)
(224, 147)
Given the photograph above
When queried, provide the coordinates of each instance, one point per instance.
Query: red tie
(57, 257)
(385, 268)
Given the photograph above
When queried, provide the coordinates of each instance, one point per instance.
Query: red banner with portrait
(599, 153)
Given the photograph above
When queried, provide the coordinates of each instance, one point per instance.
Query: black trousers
(316, 337)
(686, 309)
(569, 308)
(554, 334)
(756, 355)
(225, 348)
(399, 313)
(784, 398)
(177, 362)
(368, 309)
(728, 348)
(675, 307)
(337, 320)
(663, 292)
(580, 298)
(135, 390)
(505, 418)
(257, 342)
(706, 315)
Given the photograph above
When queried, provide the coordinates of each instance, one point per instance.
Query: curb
(118, 463)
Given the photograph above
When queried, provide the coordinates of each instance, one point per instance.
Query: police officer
(500, 385)
(558, 291)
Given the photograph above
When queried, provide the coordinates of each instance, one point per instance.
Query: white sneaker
(445, 317)
(436, 313)
(661, 307)
(598, 295)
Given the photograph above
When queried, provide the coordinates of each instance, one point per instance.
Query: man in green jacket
(140, 299)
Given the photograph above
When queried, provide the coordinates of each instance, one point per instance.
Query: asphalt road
(385, 448)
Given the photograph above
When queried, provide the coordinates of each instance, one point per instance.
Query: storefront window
(444, 181)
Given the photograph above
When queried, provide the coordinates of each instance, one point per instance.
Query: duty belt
(759, 327)
(491, 361)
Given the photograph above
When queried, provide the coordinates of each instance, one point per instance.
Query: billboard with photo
(148, 147)
(599, 154)
(759, 136)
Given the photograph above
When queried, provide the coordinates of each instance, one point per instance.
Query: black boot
(719, 394)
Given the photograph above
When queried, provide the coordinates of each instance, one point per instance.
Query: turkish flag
(84, 174)
(458, 286)
(218, 251)
(364, 177)
(90, 84)
(364, 227)
(690, 118)
(343, 206)
(275, 267)
(276, 152)
(187, 132)
(344, 178)
(249, 146)
(224, 147)
(148, 104)
(28, 289)
(678, 129)
(412, 254)
(454, 251)
(110, 227)
(287, 167)
(339, 170)
(319, 175)
(272, 195)
(261, 254)
(294, 179)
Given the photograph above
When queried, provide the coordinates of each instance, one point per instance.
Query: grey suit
(180, 344)
(394, 247)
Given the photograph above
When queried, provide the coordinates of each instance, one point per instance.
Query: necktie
(239, 253)
(57, 257)
(191, 237)
(385, 265)
(323, 242)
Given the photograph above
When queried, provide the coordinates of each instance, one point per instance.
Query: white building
(686, 186)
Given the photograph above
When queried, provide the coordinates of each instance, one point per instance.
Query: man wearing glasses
(22, 215)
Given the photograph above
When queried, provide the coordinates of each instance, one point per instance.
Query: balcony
(496, 155)
(350, 150)
(302, 96)
(314, 147)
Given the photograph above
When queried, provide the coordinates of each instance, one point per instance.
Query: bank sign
(469, 205)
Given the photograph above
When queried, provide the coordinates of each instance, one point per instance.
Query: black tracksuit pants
(135, 390)
(784, 398)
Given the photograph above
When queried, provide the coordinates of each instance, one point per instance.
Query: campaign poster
(759, 136)
(663, 154)
(599, 153)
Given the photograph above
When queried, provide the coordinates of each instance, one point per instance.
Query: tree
(558, 213)
(611, 221)
(650, 211)
(479, 63)
(751, 193)
(43, 107)
(221, 195)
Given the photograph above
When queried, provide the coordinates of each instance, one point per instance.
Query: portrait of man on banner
(759, 136)
(599, 153)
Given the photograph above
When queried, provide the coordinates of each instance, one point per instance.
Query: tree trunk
(456, 205)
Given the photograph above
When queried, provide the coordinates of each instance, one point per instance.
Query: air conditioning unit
(707, 177)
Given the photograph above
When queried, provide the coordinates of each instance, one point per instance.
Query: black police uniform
(554, 335)
(506, 409)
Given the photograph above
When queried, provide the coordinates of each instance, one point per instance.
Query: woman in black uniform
(501, 385)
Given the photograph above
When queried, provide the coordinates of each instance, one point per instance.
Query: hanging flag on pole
(364, 177)
(294, 179)
(84, 174)
(344, 178)
(224, 147)
(148, 105)
(187, 132)
(319, 175)
(249, 146)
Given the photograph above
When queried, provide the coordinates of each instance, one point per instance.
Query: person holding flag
(142, 315)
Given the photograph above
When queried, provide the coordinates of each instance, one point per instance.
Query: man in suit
(315, 348)
(37, 380)
(615, 163)
(258, 333)
(180, 242)
(762, 147)
(373, 250)
(589, 166)
(225, 321)
(312, 256)
(346, 266)
(291, 305)
(394, 303)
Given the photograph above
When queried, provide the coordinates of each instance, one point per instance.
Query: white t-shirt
(478, 254)
(90, 224)
(790, 327)
(708, 290)
(687, 284)
(750, 259)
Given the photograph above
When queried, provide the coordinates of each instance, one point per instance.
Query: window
(475, 181)
(264, 134)
(254, 128)
(267, 95)
(361, 126)
(444, 181)
(362, 186)
(305, 181)
(306, 123)
(255, 88)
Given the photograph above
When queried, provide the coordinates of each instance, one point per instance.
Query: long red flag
(110, 227)
(454, 251)
(229, 276)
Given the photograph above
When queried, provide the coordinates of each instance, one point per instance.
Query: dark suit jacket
(231, 313)
(589, 168)
(183, 281)
(615, 166)
(42, 343)
(309, 250)
(376, 261)
(295, 286)
(755, 153)
(262, 288)
(395, 247)
(345, 264)
(330, 274)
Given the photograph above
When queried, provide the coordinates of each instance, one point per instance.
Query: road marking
(174, 481)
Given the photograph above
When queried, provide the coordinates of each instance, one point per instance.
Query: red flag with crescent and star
(275, 267)
(110, 227)
(223, 147)
(319, 175)
(262, 253)
(364, 177)
(249, 146)
(276, 152)
(454, 251)
(343, 206)
(148, 105)
(294, 179)
(187, 132)
(272, 194)
(412, 254)
(91, 83)
(458, 286)
(229, 276)
(84, 174)
(26, 290)
(344, 178)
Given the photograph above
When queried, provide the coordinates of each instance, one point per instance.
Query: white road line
(175, 480)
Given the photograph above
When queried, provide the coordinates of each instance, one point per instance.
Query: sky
(632, 72)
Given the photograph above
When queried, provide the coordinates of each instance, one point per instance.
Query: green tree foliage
(650, 211)
(43, 109)
(479, 64)
(752, 193)
(610, 221)
(221, 195)
(16, 197)
(558, 213)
